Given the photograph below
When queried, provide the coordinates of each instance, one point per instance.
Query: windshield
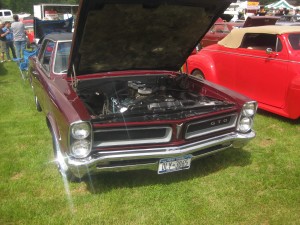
(62, 57)
(294, 40)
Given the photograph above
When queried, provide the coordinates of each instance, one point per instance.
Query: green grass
(259, 184)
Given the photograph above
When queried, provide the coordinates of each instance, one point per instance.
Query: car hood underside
(135, 35)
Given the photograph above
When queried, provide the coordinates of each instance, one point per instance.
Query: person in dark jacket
(9, 41)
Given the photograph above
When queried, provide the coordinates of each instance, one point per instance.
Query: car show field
(129, 124)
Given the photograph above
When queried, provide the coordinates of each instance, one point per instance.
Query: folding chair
(23, 62)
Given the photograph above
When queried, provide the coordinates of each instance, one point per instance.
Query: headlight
(245, 124)
(81, 148)
(249, 109)
(81, 130)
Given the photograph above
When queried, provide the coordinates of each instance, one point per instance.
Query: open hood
(115, 35)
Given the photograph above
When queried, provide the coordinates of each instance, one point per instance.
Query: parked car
(44, 27)
(216, 33)
(6, 15)
(221, 29)
(117, 100)
(260, 62)
(289, 20)
(28, 23)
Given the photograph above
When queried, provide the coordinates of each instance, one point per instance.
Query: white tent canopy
(280, 5)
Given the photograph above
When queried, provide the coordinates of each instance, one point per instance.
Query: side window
(7, 13)
(226, 29)
(294, 40)
(261, 42)
(278, 45)
(1, 14)
(218, 28)
(62, 57)
(45, 56)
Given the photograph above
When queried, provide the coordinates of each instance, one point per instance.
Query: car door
(262, 69)
(41, 74)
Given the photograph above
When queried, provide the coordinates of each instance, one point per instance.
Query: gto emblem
(219, 122)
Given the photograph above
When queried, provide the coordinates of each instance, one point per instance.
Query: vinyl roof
(235, 37)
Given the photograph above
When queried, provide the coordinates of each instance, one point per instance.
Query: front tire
(198, 74)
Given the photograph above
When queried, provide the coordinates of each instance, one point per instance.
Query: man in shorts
(2, 42)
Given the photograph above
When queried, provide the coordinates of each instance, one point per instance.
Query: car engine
(142, 96)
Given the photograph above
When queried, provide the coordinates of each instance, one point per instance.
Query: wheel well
(198, 72)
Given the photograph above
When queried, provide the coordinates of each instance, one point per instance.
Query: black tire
(198, 74)
(37, 104)
(60, 163)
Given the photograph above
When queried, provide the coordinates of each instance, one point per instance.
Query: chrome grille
(203, 127)
(132, 136)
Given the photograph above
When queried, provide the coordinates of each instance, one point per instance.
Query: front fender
(204, 63)
(293, 96)
(61, 113)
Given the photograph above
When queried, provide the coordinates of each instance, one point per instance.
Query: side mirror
(269, 51)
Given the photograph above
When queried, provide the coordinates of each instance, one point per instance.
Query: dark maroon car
(221, 29)
(114, 98)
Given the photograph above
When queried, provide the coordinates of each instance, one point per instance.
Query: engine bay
(140, 95)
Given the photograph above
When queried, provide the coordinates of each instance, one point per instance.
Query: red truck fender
(201, 63)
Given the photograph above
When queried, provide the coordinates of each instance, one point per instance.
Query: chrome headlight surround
(80, 141)
(81, 148)
(245, 122)
(81, 130)
(249, 109)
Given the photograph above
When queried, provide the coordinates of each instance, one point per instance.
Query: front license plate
(174, 164)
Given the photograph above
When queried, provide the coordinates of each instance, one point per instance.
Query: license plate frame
(169, 165)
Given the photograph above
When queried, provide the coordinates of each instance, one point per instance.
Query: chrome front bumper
(149, 158)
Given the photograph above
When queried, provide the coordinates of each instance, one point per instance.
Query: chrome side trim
(267, 57)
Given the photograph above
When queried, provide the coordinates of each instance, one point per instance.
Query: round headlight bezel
(249, 109)
(81, 148)
(80, 131)
(245, 126)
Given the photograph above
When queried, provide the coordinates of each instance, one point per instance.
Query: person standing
(2, 42)
(19, 35)
(9, 41)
